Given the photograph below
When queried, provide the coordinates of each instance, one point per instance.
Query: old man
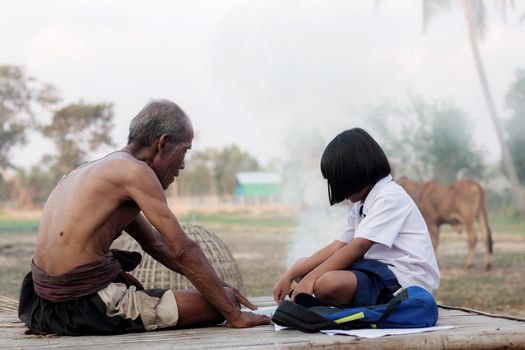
(77, 285)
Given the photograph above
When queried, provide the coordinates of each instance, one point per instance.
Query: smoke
(318, 223)
(316, 228)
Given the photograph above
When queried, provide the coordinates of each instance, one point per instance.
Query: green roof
(258, 184)
(258, 190)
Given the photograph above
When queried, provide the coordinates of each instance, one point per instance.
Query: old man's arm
(175, 249)
(151, 241)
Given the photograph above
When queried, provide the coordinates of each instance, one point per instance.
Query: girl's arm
(339, 260)
(303, 267)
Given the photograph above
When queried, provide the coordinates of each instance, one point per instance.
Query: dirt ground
(262, 259)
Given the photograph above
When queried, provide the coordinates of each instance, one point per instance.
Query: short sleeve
(347, 233)
(384, 219)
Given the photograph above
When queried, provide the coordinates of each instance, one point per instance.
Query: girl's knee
(327, 285)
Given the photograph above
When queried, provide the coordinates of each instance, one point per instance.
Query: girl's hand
(305, 286)
(281, 289)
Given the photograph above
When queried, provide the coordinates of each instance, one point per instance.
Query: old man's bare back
(89, 209)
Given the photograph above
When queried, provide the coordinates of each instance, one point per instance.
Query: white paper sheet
(263, 310)
(376, 333)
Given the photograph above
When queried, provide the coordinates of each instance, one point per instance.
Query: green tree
(197, 178)
(475, 15)
(231, 160)
(444, 142)
(76, 130)
(213, 171)
(428, 141)
(515, 126)
(19, 96)
(6, 189)
(33, 186)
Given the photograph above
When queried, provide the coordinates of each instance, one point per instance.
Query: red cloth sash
(85, 279)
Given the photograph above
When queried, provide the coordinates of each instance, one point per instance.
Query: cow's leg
(472, 239)
(433, 229)
(486, 236)
(488, 257)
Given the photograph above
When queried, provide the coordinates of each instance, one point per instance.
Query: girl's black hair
(352, 161)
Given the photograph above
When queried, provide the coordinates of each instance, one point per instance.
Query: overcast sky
(252, 72)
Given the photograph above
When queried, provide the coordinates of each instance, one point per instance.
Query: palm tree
(475, 13)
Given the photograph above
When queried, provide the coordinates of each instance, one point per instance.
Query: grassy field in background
(260, 245)
(241, 221)
(9, 226)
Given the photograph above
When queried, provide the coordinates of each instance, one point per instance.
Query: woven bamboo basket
(153, 274)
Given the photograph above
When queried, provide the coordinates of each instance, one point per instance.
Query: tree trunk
(505, 152)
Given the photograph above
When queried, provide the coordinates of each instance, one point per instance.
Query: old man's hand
(247, 319)
(241, 299)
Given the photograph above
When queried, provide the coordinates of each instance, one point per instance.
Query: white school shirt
(401, 240)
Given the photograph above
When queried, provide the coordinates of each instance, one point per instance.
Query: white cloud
(56, 45)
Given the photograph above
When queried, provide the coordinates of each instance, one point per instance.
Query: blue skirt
(375, 282)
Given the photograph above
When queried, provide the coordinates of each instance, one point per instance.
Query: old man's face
(171, 161)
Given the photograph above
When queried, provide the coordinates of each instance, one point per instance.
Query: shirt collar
(366, 203)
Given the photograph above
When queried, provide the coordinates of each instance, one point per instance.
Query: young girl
(385, 243)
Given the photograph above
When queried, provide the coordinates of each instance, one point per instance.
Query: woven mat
(8, 305)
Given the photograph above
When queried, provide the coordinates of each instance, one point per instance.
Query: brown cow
(457, 204)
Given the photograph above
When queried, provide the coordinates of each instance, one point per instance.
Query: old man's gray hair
(156, 118)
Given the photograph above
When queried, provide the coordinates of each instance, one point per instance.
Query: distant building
(258, 187)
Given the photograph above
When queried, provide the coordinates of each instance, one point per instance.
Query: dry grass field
(260, 247)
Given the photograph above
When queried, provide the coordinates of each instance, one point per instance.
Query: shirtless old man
(77, 285)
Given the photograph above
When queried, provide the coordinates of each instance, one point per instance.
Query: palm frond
(503, 6)
(431, 8)
(479, 12)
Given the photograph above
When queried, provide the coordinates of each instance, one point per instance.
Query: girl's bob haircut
(352, 161)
